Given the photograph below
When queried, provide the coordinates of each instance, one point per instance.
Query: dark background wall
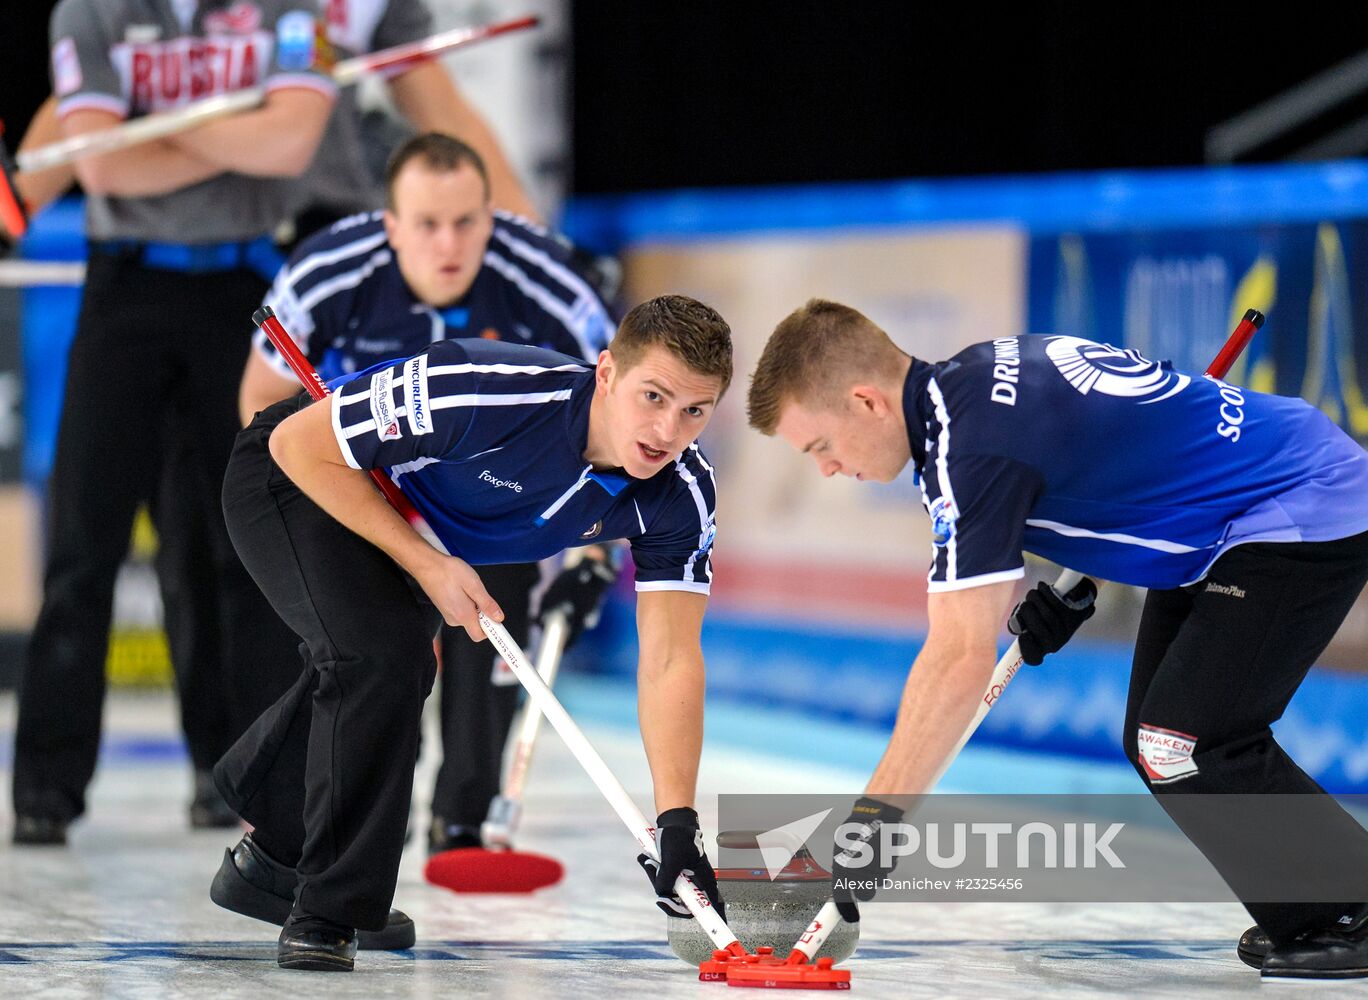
(717, 93)
(693, 93)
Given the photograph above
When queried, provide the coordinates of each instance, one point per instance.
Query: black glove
(871, 814)
(679, 842)
(1044, 621)
(578, 592)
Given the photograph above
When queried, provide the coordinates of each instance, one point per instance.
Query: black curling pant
(1216, 664)
(326, 773)
(156, 354)
(477, 711)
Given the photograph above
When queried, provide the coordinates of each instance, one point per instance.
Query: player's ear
(867, 399)
(603, 374)
(391, 225)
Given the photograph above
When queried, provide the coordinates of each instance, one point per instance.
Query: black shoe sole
(233, 892)
(32, 831)
(1316, 974)
(314, 961)
(1253, 959)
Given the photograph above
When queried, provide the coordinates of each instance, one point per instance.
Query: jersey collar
(577, 433)
(914, 388)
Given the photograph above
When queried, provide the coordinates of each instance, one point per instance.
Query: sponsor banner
(1036, 848)
(842, 549)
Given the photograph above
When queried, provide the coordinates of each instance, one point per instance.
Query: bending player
(1129, 471)
(512, 453)
(440, 263)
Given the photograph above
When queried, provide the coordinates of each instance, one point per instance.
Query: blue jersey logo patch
(295, 41)
(943, 517)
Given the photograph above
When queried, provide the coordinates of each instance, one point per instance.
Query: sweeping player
(442, 263)
(1125, 469)
(511, 453)
(178, 243)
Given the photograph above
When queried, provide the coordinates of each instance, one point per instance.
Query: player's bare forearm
(148, 168)
(428, 98)
(277, 139)
(670, 687)
(39, 187)
(944, 688)
(304, 447)
(938, 702)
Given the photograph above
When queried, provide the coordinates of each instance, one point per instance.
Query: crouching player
(512, 454)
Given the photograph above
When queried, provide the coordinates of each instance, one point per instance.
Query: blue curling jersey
(343, 299)
(487, 440)
(1114, 465)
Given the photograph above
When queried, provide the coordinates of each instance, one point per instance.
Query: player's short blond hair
(694, 333)
(814, 355)
(438, 152)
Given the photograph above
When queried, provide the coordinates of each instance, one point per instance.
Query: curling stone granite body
(764, 913)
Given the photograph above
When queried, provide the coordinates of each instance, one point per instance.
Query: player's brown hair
(693, 332)
(817, 352)
(437, 152)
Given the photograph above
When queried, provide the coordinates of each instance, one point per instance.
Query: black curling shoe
(1253, 947)
(254, 884)
(45, 831)
(316, 945)
(1333, 953)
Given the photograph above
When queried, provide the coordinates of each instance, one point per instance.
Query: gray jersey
(133, 57)
(339, 178)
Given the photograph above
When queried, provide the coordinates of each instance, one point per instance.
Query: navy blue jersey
(1114, 465)
(487, 440)
(342, 298)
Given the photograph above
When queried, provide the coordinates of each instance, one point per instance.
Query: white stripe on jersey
(688, 585)
(323, 258)
(335, 403)
(502, 369)
(465, 399)
(538, 294)
(550, 512)
(466, 369)
(418, 463)
(964, 583)
(702, 506)
(347, 279)
(1158, 544)
(566, 276)
(943, 473)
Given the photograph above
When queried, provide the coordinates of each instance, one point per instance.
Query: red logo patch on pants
(1166, 754)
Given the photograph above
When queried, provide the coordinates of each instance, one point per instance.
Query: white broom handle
(555, 634)
(828, 917)
(164, 123)
(693, 897)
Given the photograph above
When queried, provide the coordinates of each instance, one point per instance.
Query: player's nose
(667, 426)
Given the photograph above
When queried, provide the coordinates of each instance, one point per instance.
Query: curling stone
(765, 913)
